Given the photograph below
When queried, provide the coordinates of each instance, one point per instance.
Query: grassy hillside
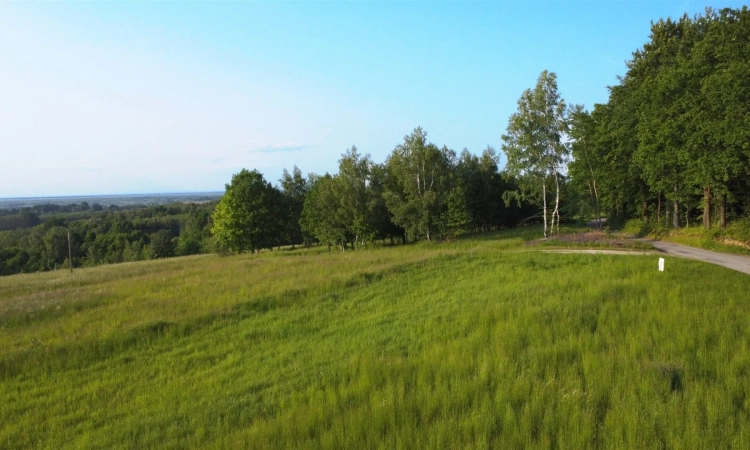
(479, 343)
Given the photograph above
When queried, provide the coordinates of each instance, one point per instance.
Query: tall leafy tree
(322, 215)
(55, 246)
(294, 188)
(162, 244)
(719, 66)
(458, 215)
(587, 163)
(381, 218)
(688, 90)
(244, 218)
(193, 236)
(663, 91)
(419, 173)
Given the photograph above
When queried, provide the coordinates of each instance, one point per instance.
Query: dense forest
(672, 144)
(670, 147)
(48, 234)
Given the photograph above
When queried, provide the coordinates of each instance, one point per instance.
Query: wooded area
(99, 236)
(673, 141)
(420, 192)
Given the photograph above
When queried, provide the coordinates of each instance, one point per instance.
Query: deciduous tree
(243, 219)
(534, 143)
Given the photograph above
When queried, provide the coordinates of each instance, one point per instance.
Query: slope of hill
(483, 342)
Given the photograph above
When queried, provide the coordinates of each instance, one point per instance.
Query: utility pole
(70, 254)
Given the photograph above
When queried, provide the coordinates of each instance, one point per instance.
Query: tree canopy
(243, 219)
(534, 143)
(676, 127)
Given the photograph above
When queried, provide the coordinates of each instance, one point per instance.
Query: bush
(739, 230)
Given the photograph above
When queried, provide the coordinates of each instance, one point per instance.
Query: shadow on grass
(36, 357)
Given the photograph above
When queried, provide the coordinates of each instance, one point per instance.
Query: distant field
(117, 200)
(480, 343)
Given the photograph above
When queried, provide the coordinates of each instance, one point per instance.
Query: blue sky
(137, 97)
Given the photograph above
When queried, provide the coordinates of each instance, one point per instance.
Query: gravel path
(735, 262)
(596, 251)
(739, 263)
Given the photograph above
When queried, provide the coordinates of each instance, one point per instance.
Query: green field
(479, 343)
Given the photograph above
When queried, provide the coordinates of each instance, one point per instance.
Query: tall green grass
(479, 343)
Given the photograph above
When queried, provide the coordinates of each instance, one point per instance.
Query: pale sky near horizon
(139, 97)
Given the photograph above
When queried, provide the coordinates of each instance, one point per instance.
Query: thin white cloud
(280, 148)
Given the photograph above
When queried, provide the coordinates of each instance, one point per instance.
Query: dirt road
(734, 262)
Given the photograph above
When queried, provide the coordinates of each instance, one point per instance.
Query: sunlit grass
(472, 344)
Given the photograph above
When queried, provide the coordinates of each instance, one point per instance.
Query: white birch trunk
(557, 205)
(544, 200)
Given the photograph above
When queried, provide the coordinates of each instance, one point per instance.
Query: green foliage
(322, 216)
(294, 189)
(26, 219)
(353, 192)
(244, 219)
(475, 343)
(675, 129)
(162, 245)
(195, 233)
(458, 217)
(55, 246)
(420, 182)
(104, 237)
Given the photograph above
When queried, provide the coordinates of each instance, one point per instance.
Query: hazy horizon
(127, 194)
(146, 199)
(141, 97)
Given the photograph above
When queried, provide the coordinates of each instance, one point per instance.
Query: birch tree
(417, 196)
(322, 213)
(353, 192)
(534, 145)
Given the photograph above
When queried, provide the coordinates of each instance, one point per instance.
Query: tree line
(675, 132)
(421, 191)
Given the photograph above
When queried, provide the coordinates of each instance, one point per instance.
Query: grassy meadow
(484, 342)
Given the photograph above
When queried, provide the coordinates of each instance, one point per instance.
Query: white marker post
(661, 264)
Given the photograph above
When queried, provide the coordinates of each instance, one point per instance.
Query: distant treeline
(121, 200)
(30, 216)
(107, 236)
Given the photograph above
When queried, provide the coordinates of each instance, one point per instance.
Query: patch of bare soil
(599, 251)
(594, 238)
